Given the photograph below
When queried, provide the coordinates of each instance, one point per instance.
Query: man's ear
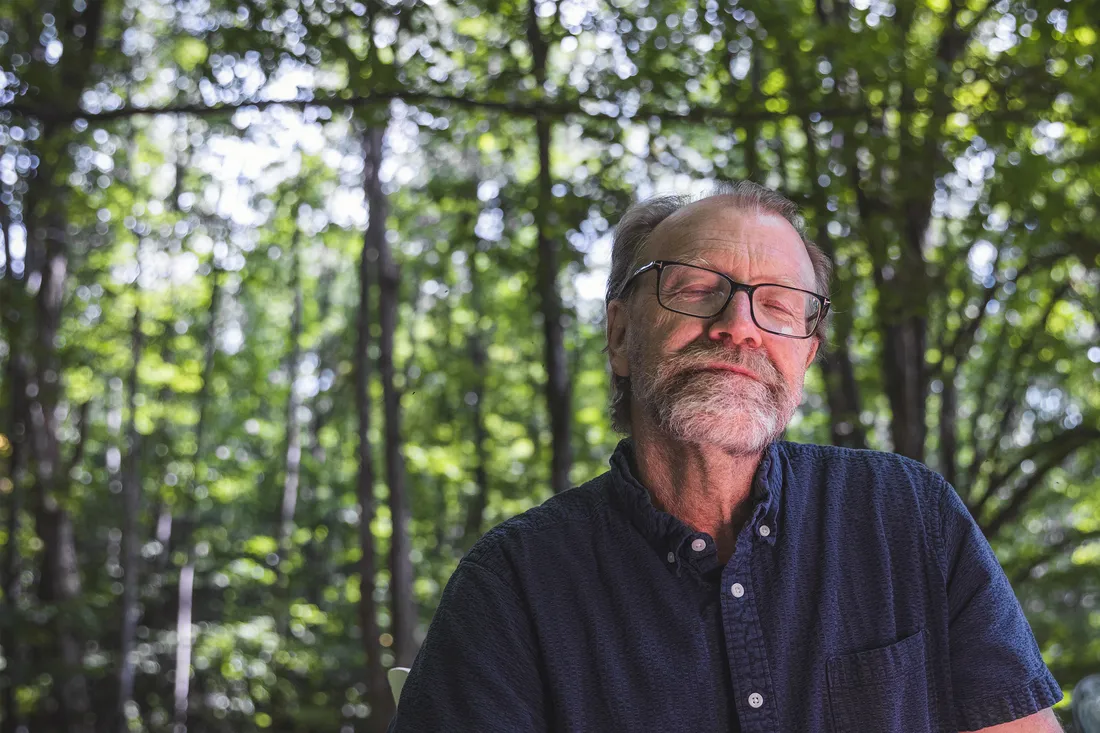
(813, 352)
(618, 319)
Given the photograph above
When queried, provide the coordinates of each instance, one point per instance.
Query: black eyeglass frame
(735, 287)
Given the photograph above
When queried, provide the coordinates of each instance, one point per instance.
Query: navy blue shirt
(860, 596)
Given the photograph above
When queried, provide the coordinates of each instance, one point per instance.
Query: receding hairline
(726, 200)
(733, 203)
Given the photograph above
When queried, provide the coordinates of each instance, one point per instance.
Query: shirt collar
(666, 533)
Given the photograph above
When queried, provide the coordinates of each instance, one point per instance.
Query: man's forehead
(723, 231)
(721, 221)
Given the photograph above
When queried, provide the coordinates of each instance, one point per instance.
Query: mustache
(697, 355)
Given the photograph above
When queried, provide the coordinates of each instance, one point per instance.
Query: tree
(193, 524)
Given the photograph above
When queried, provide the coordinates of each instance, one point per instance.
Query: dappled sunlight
(298, 299)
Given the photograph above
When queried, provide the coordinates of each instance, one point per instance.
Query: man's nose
(735, 322)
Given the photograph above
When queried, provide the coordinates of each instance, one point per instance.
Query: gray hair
(638, 224)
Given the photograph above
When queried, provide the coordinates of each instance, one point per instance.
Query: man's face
(682, 369)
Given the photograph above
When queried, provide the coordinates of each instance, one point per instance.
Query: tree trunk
(159, 612)
(293, 450)
(402, 604)
(475, 512)
(841, 389)
(381, 702)
(906, 331)
(9, 269)
(901, 323)
(752, 130)
(131, 499)
(44, 202)
(10, 638)
(15, 430)
(185, 590)
(320, 414)
(59, 581)
(906, 382)
(558, 388)
(949, 444)
(59, 586)
(182, 682)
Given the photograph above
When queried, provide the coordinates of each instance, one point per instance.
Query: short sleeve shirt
(860, 596)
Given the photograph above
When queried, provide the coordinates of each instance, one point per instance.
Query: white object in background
(1086, 704)
(397, 676)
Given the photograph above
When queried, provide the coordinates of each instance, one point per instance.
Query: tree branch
(964, 337)
(586, 106)
(1053, 551)
(997, 480)
(1064, 445)
(519, 108)
(1008, 401)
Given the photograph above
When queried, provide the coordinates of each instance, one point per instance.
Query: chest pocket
(881, 690)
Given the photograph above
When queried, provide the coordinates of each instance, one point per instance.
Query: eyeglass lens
(702, 293)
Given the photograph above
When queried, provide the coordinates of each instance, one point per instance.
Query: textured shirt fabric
(861, 596)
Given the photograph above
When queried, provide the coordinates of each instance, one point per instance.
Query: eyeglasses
(702, 293)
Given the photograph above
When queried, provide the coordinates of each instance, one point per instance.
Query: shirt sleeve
(997, 672)
(478, 667)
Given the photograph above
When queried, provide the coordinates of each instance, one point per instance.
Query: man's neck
(703, 486)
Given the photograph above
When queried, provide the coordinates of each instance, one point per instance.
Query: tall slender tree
(377, 686)
(559, 399)
(293, 443)
(131, 527)
(185, 589)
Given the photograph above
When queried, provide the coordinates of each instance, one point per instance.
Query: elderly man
(717, 578)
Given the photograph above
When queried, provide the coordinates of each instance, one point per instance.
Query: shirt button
(737, 590)
(756, 700)
(672, 557)
(698, 545)
(765, 530)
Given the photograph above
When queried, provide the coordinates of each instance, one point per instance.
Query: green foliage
(945, 152)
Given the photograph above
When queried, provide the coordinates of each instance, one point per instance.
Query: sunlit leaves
(993, 132)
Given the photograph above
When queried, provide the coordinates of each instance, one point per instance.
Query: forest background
(299, 297)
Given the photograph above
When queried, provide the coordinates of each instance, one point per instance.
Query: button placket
(747, 654)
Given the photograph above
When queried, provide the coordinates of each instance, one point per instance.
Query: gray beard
(734, 412)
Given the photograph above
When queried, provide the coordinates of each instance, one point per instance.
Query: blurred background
(299, 297)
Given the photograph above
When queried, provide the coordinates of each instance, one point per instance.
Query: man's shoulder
(849, 488)
(859, 458)
(874, 472)
(539, 531)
